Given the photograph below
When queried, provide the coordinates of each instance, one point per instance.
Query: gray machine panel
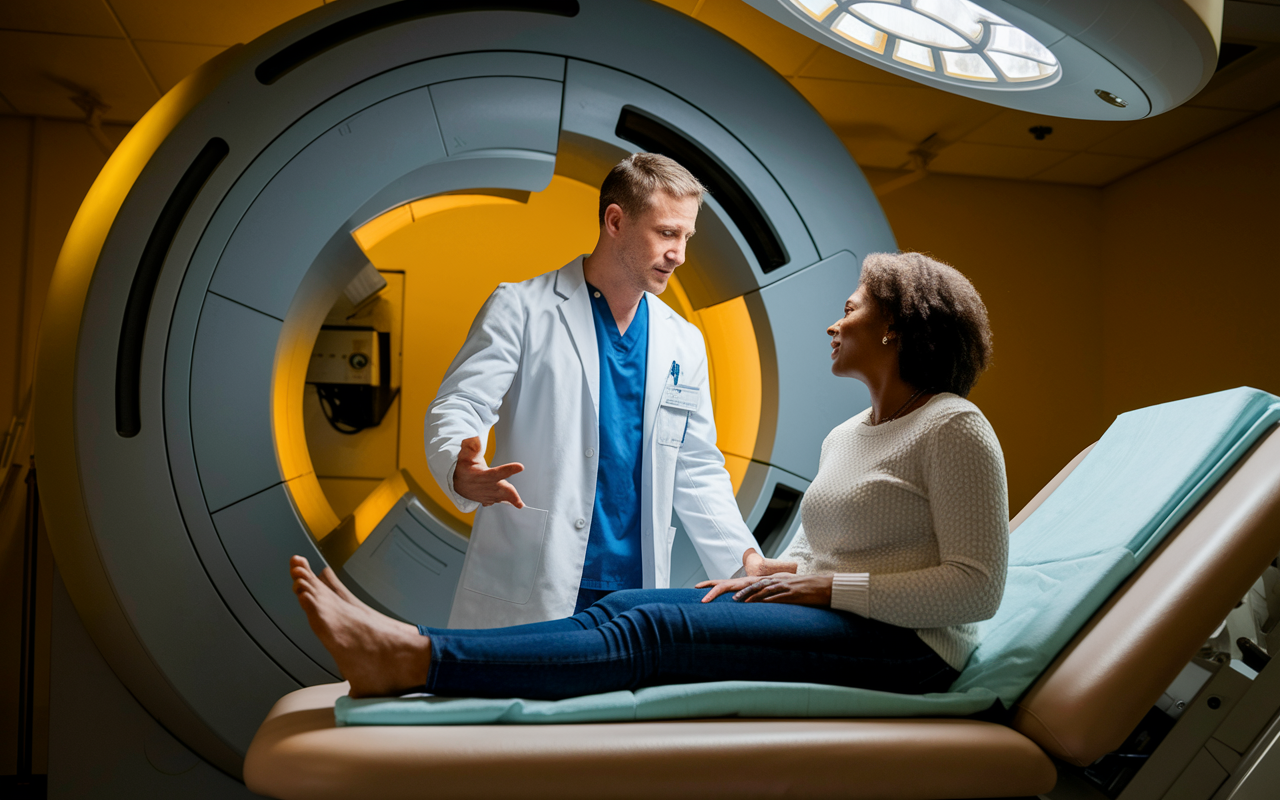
(411, 563)
(754, 500)
(280, 236)
(594, 99)
(498, 113)
(261, 533)
(791, 319)
(519, 170)
(230, 415)
(719, 264)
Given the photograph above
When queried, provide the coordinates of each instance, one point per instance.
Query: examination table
(1083, 706)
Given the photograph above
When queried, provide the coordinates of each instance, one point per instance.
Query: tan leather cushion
(1094, 694)
(298, 753)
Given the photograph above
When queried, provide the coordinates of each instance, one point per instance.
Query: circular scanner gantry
(174, 471)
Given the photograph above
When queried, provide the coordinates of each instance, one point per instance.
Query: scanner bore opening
(475, 241)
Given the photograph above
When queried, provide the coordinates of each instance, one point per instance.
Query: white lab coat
(530, 365)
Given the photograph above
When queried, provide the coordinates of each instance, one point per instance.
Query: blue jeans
(649, 637)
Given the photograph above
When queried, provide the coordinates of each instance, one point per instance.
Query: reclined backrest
(1114, 670)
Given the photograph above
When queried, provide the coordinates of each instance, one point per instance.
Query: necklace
(872, 423)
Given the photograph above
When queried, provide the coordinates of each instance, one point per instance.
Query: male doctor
(599, 395)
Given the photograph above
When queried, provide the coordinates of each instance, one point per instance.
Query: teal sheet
(1146, 472)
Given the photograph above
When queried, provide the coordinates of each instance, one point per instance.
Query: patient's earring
(885, 340)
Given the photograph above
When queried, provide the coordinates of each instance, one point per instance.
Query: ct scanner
(197, 274)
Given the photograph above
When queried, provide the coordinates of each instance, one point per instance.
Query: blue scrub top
(613, 549)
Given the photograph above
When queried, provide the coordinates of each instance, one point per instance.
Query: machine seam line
(245, 305)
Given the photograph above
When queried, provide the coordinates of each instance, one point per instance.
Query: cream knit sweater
(912, 519)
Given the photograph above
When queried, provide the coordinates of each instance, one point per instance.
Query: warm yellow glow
(818, 9)
(733, 372)
(735, 378)
(312, 505)
(375, 230)
(451, 202)
(292, 357)
(374, 508)
(453, 254)
(370, 234)
(737, 467)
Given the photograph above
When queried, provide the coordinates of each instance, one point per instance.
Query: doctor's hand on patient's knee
(756, 565)
(476, 481)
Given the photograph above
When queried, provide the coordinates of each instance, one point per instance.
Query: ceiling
(124, 54)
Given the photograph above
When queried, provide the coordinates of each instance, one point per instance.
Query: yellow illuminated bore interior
(442, 257)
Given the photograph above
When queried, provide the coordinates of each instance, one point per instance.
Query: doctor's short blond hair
(639, 176)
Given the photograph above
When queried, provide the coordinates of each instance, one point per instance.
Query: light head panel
(1089, 59)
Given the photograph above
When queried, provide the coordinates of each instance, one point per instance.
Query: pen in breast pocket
(675, 373)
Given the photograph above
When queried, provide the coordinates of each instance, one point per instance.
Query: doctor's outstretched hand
(474, 480)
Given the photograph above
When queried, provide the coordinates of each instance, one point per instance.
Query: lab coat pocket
(672, 425)
(505, 552)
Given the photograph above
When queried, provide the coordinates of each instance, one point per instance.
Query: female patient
(903, 546)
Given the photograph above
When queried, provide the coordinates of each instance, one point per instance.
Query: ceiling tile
(1013, 128)
(1091, 169)
(834, 65)
(31, 64)
(80, 17)
(1157, 137)
(223, 23)
(1250, 84)
(170, 62)
(879, 153)
(994, 161)
(910, 114)
(1256, 20)
(771, 41)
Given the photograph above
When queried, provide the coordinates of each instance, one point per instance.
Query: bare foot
(378, 655)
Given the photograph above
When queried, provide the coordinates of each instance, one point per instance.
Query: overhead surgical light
(1090, 59)
(946, 35)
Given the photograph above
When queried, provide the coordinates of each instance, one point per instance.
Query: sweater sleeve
(969, 506)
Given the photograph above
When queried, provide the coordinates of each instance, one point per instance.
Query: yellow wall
(1193, 276)
(1033, 250)
(46, 167)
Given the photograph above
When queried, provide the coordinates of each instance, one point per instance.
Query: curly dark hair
(944, 340)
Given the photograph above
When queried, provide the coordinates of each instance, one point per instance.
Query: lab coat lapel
(656, 467)
(576, 312)
(662, 351)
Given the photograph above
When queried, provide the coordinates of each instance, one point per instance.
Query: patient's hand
(474, 480)
(804, 590)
